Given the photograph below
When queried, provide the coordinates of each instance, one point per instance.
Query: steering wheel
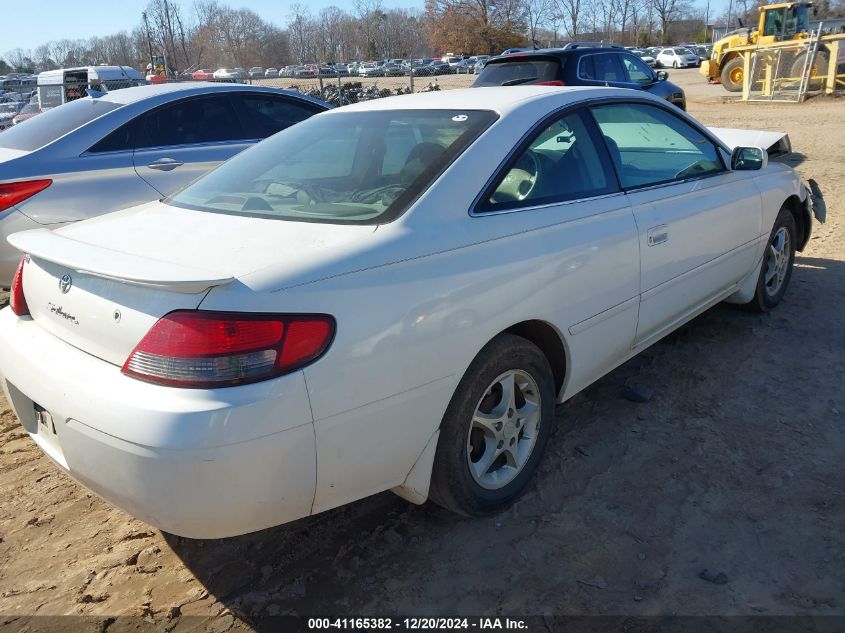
(522, 177)
(699, 166)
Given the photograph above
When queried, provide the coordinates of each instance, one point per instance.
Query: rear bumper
(197, 463)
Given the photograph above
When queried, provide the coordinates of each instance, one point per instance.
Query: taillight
(17, 299)
(551, 83)
(203, 349)
(13, 193)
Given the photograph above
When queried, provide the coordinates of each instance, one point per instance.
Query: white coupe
(391, 295)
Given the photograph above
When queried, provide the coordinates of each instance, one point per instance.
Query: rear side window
(518, 71)
(603, 67)
(54, 123)
(121, 140)
(264, 115)
(191, 121)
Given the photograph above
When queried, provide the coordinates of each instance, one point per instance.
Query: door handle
(165, 164)
(658, 235)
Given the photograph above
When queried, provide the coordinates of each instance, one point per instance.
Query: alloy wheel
(504, 429)
(777, 261)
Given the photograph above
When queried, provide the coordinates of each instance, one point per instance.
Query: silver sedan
(96, 155)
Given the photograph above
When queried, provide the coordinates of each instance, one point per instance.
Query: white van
(56, 87)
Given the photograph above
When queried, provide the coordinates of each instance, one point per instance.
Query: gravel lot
(735, 466)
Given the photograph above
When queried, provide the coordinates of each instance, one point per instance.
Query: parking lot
(734, 467)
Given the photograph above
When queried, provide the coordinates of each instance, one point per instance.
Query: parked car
(278, 338)
(8, 111)
(440, 68)
(370, 70)
(677, 58)
(204, 74)
(271, 73)
(256, 72)
(643, 55)
(392, 69)
(92, 156)
(30, 110)
(476, 63)
(226, 74)
(511, 51)
(580, 67)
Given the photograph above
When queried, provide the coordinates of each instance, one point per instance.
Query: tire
(496, 478)
(732, 75)
(675, 64)
(776, 270)
(818, 70)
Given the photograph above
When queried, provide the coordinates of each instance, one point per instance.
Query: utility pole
(149, 41)
(706, 20)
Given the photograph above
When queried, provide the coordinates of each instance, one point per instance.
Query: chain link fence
(792, 72)
(343, 89)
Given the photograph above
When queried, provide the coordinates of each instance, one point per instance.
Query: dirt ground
(735, 466)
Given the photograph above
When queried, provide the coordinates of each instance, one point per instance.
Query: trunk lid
(100, 285)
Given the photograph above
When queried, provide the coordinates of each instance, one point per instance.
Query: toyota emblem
(65, 283)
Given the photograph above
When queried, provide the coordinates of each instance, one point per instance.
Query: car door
(183, 140)
(698, 221)
(559, 200)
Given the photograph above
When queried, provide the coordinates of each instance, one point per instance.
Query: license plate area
(46, 434)
(44, 421)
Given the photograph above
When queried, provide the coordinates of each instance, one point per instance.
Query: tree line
(210, 34)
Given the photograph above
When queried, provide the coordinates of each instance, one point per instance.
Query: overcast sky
(28, 23)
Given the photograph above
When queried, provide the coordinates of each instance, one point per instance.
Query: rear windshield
(517, 71)
(342, 168)
(54, 123)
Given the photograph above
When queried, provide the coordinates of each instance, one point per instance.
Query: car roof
(125, 96)
(496, 98)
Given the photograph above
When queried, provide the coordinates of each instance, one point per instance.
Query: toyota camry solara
(391, 295)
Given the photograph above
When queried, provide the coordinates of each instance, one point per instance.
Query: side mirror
(749, 158)
(662, 75)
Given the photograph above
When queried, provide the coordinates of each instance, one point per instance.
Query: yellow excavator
(779, 22)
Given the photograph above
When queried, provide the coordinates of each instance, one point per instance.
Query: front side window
(650, 146)
(190, 121)
(563, 162)
(342, 168)
(774, 22)
(637, 72)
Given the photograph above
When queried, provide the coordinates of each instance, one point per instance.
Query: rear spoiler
(775, 143)
(110, 264)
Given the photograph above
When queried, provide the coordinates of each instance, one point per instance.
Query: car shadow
(793, 159)
(600, 492)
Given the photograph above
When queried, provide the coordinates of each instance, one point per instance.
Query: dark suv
(580, 65)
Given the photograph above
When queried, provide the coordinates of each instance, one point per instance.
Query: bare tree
(571, 12)
(537, 12)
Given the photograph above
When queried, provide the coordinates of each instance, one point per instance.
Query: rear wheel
(778, 260)
(495, 428)
(732, 74)
(817, 70)
(675, 64)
